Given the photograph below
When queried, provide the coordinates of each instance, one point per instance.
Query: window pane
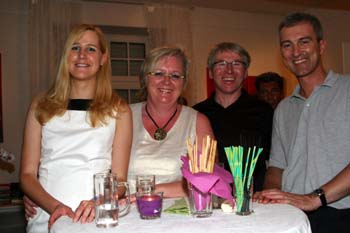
(134, 96)
(123, 93)
(137, 50)
(135, 67)
(119, 50)
(119, 68)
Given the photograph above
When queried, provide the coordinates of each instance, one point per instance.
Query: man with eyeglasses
(236, 117)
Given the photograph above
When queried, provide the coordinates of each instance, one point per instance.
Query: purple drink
(149, 205)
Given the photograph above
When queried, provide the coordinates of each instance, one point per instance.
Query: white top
(71, 152)
(160, 158)
(270, 218)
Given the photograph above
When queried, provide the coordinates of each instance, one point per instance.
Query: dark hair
(268, 77)
(299, 17)
(228, 46)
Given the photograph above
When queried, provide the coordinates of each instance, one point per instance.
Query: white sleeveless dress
(161, 158)
(71, 152)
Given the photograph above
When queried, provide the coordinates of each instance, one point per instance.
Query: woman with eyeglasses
(77, 128)
(161, 125)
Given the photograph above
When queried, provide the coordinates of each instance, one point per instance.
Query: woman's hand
(59, 211)
(85, 212)
(29, 207)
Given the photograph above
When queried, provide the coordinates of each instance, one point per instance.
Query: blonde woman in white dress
(78, 128)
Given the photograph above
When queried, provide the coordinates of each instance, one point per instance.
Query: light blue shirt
(311, 137)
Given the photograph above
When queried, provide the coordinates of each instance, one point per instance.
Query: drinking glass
(145, 183)
(107, 208)
(200, 203)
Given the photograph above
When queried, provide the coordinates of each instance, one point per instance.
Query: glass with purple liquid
(149, 204)
(200, 203)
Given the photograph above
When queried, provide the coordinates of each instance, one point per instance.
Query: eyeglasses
(235, 64)
(162, 74)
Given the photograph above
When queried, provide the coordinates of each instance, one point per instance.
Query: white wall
(13, 49)
(256, 32)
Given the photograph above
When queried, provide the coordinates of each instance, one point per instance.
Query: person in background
(161, 124)
(269, 87)
(310, 139)
(236, 117)
(77, 128)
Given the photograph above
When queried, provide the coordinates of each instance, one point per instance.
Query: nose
(296, 50)
(229, 68)
(166, 78)
(82, 53)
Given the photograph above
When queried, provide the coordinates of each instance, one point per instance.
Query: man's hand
(307, 202)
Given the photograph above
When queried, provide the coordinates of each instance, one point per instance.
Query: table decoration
(204, 177)
(149, 205)
(242, 163)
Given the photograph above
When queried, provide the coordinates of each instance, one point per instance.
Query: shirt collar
(331, 78)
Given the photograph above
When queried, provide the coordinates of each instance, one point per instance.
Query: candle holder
(149, 205)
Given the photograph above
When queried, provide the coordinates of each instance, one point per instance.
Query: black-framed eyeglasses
(236, 64)
(162, 74)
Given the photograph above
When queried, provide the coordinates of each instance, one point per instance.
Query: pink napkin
(217, 183)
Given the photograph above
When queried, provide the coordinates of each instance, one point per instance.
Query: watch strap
(320, 193)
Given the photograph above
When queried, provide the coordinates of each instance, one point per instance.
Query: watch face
(319, 192)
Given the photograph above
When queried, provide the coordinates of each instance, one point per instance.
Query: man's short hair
(268, 77)
(300, 17)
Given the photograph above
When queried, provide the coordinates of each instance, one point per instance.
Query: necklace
(160, 133)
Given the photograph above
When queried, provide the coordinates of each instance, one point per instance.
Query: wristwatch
(320, 193)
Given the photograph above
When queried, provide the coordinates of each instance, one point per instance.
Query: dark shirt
(248, 121)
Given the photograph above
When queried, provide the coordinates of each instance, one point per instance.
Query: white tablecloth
(269, 218)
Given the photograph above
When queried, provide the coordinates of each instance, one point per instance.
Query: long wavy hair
(105, 103)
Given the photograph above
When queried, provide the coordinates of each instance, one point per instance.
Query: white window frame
(127, 82)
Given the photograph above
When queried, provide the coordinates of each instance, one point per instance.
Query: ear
(211, 75)
(103, 59)
(322, 45)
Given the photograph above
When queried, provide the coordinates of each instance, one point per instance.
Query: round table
(270, 218)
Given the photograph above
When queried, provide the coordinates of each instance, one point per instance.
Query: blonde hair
(105, 102)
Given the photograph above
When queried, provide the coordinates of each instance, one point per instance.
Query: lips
(81, 65)
(164, 90)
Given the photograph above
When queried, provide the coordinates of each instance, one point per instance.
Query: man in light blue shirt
(311, 128)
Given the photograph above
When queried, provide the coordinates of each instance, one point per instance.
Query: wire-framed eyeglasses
(236, 64)
(162, 74)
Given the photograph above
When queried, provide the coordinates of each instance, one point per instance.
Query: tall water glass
(107, 208)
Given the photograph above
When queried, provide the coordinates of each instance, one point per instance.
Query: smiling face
(85, 57)
(164, 89)
(301, 52)
(228, 79)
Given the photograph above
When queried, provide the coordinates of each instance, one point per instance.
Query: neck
(308, 83)
(161, 110)
(226, 100)
(82, 90)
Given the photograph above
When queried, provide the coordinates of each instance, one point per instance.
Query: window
(128, 51)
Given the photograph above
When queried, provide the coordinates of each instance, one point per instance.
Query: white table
(271, 218)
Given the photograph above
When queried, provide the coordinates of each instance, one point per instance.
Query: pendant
(160, 134)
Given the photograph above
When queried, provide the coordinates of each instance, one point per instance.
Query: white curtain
(172, 25)
(49, 24)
